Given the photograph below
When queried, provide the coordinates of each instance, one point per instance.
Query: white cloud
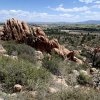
(96, 6)
(75, 9)
(24, 15)
(46, 17)
(87, 1)
(90, 15)
(90, 1)
(93, 16)
(98, 2)
(35, 16)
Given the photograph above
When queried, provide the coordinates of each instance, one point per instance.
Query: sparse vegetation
(24, 71)
(83, 79)
(21, 72)
(76, 94)
(21, 50)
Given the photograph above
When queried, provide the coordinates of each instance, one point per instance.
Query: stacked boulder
(16, 30)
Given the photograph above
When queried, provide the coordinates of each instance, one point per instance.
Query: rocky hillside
(56, 66)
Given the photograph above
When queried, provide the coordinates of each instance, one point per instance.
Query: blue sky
(50, 10)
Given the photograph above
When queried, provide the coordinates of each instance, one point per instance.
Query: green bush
(52, 64)
(69, 94)
(22, 50)
(84, 79)
(76, 94)
(21, 72)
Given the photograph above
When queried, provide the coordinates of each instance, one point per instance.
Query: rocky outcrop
(35, 37)
(15, 29)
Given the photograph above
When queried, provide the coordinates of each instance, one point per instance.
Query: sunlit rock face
(16, 30)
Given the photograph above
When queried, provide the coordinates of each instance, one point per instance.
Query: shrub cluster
(21, 72)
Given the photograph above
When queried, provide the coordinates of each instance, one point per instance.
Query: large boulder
(17, 88)
(38, 55)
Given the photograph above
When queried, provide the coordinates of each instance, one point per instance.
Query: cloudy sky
(50, 10)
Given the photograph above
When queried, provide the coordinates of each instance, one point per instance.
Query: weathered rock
(1, 33)
(75, 72)
(38, 55)
(1, 28)
(93, 70)
(1, 98)
(53, 90)
(60, 80)
(78, 61)
(2, 50)
(15, 29)
(58, 83)
(17, 88)
(39, 32)
(77, 52)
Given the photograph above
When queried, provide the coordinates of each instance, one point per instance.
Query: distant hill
(63, 23)
(90, 22)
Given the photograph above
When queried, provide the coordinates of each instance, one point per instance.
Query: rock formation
(35, 37)
(15, 29)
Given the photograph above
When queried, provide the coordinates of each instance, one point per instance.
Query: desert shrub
(22, 50)
(83, 79)
(21, 72)
(75, 94)
(59, 66)
(70, 94)
(68, 66)
(66, 69)
(17, 96)
(52, 64)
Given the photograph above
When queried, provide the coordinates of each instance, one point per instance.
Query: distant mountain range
(90, 22)
(62, 23)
